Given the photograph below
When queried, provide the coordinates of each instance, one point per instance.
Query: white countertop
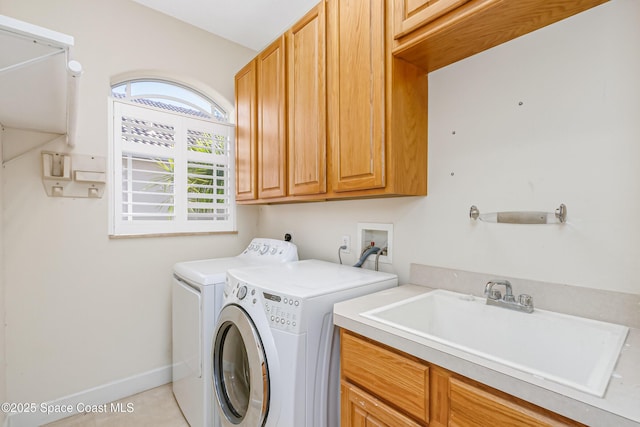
(620, 405)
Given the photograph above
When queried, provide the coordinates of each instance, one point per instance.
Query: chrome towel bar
(522, 217)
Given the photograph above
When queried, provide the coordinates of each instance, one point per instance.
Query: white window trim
(120, 228)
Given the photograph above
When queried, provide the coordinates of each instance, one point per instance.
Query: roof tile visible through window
(170, 97)
(165, 106)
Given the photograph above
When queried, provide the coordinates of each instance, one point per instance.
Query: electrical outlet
(346, 241)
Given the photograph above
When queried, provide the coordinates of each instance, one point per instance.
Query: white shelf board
(33, 77)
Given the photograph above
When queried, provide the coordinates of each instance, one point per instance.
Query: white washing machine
(275, 349)
(197, 298)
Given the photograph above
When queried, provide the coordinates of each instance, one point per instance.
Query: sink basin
(574, 351)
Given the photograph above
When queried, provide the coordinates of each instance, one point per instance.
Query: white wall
(574, 140)
(83, 310)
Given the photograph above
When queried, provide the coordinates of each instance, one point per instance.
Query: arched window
(171, 97)
(172, 158)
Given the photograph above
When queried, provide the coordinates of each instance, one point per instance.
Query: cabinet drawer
(472, 406)
(387, 374)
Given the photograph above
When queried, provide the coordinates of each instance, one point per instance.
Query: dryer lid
(209, 271)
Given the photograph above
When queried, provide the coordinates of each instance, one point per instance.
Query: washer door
(240, 373)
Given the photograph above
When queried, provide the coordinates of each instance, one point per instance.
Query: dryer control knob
(242, 292)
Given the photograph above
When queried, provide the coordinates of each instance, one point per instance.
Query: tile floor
(153, 408)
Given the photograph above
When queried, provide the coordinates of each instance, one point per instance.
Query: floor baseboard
(94, 399)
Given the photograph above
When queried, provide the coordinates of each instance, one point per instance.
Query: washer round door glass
(239, 370)
(235, 372)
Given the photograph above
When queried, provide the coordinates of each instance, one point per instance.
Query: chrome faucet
(494, 297)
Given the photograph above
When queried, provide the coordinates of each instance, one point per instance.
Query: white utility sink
(577, 352)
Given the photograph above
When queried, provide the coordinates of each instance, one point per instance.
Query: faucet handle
(495, 294)
(525, 300)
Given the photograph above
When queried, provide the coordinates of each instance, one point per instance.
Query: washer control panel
(282, 311)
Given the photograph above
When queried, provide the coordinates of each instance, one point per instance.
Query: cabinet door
(411, 14)
(471, 406)
(356, 99)
(245, 93)
(360, 409)
(272, 143)
(307, 124)
(390, 376)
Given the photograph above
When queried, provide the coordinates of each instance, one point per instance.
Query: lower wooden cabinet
(381, 386)
(470, 405)
(388, 375)
(362, 409)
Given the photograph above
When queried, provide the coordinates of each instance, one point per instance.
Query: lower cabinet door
(390, 376)
(471, 406)
(360, 409)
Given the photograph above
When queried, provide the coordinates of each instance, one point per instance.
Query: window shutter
(147, 149)
(208, 164)
(171, 173)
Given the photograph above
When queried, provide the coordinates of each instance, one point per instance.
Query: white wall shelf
(38, 82)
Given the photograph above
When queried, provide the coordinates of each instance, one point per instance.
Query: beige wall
(574, 140)
(83, 310)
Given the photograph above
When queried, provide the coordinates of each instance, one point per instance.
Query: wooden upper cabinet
(411, 14)
(337, 107)
(433, 34)
(271, 134)
(356, 78)
(377, 106)
(245, 94)
(307, 113)
(336, 115)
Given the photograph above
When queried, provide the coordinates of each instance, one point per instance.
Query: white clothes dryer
(275, 349)
(196, 301)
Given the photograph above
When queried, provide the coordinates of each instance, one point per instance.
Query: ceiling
(251, 23)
